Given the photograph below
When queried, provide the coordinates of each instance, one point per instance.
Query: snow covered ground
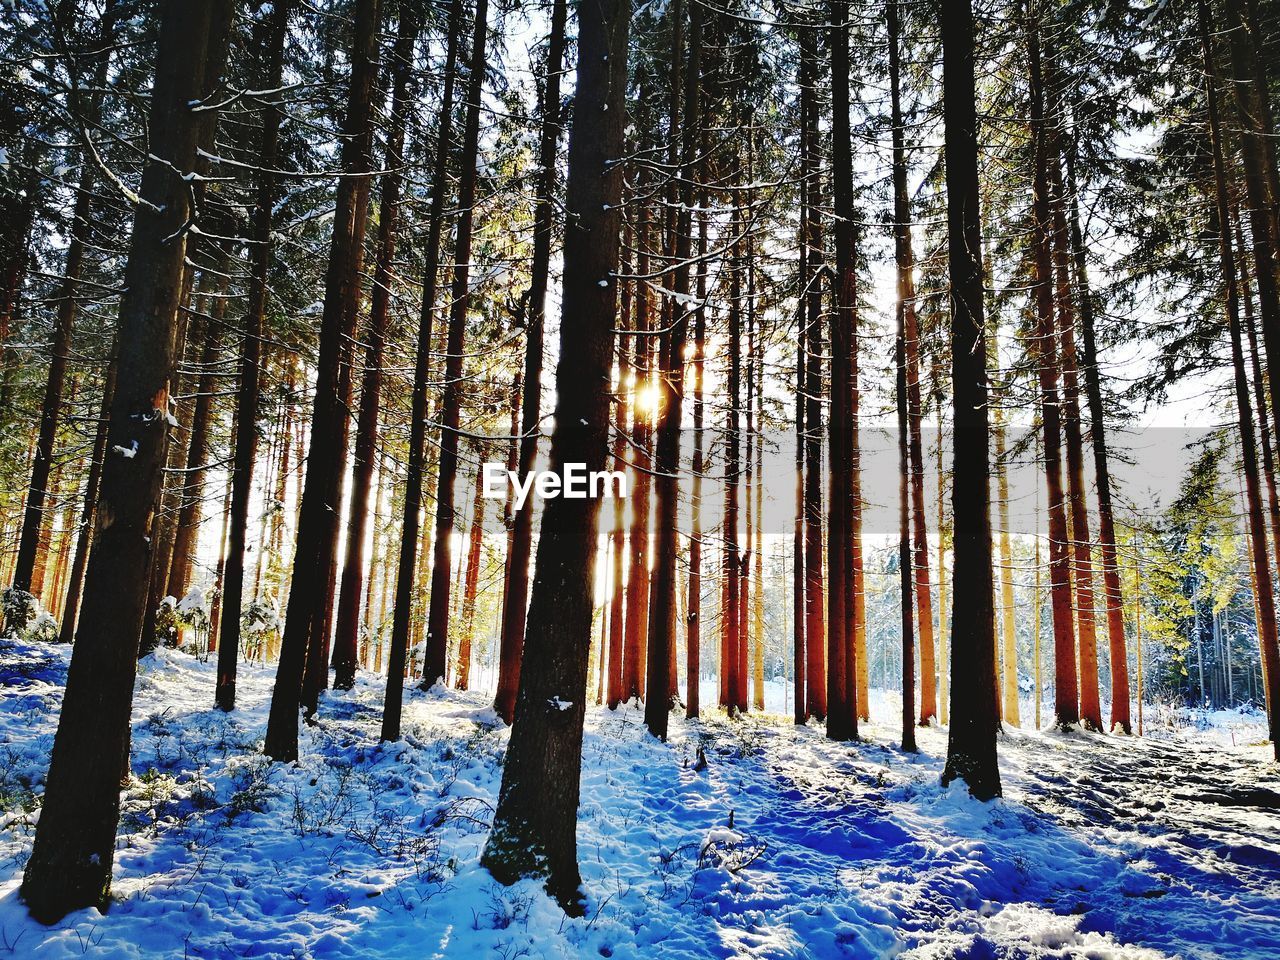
(1102, 847)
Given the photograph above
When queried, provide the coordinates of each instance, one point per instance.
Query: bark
(812, 202)
(911, 342)
(71, 860)
(1258, 381)
(347, 629)
(192, 482)
(437, 643)
(1253, 114)
(1119, 653)
(475, 541)
(693, 636)
(1008, 632)
(1066, 688)
(798, 639)
(731, 615)
(316, 672)
(907, 470)
(534, 832)
(843, 546)
(617, 601)
(971, 744)
(1081, 538)
(637, 623)
(757, 552)
(517, 587)
(944, 674)
(321, 496)
(219, 571)
(406, 579)
(84, 534)
(662, 600)
(1248, 445)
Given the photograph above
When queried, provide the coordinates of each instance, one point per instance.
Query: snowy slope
(368, 850)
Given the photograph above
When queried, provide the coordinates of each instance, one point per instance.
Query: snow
(786, 845)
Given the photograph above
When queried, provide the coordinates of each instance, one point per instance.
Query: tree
(908, 472)
(1253, 110)
(1066, 689)
(272, 33)
(693, 636)
(844, 551)
(347, 627)
(971, 742)
(534, 829)
(437, 644)
(406, 571)
(304, 629)
(1101, 467)
(517, 581)
(1081, 539)
(662, 600)
(197, 461)
(1263, 590)
(33, 521)
(812, 273)
(71, 859)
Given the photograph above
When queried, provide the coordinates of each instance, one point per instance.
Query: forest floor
(1102, 846)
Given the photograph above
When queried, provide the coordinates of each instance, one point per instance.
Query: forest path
(1203, 824)
(786, 845)
(1102, 846)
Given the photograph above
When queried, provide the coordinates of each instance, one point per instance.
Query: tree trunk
(637, 623)
(971, 744)
(798, 639)
(437, 644)
(844, 554)
(187, 531)
(316, 672)
(219, 570)
(71, 860)
(1101, 469)
(758, 543)
(475, 541)
(911, 342)
(321, 496)
(1252, 113)
(617, 601)
(534, 831)
(515, 607)
(693, 636)
(1248, 446)
(1081, 539)
(907, 471)
(347, 631)
(911, 333)
(944, 673)
(811, 206)
(406, 572)
(1066, 689)
(84, 535)
(663, 613)
(1258, 381)
(731, 614)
